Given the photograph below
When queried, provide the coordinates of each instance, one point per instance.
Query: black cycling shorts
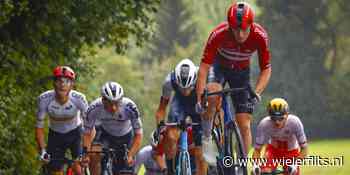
(241, 100)
(178, 111)
(109, 141)
(58, 143)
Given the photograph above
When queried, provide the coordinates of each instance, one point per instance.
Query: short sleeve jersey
(62, 117)
(117, 124)
(221, 43)
(291, 136)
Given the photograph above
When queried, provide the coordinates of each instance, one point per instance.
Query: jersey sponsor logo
(55, 107)
(132, 109)
(68, 107)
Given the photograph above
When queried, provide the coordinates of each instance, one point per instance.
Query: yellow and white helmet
(277, 107)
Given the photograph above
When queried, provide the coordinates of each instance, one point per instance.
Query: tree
(304, 35)
(174, 27)
(36, 36)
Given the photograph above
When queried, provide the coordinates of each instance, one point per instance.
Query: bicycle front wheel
(184, 164)
(236, 150)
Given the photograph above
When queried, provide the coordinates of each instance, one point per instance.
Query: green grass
(330, 149)
(324, 148)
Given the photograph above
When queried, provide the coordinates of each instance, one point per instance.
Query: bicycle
(69, 167)
(183, 163)
(110, 157)
(227, 136)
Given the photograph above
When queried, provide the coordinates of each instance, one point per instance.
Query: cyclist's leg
(242, 103)
(76, 149)
(172, 135)
(201, 165)
(56, 149)
(95, 158)
(215, 82)
(268, 164)
(105, 140)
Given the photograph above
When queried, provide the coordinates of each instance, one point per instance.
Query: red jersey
(222, 45)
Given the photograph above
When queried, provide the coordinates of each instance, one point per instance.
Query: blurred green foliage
(36, 36)
(309, 42)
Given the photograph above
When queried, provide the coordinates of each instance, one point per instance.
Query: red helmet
(64, 71)
(240, 15)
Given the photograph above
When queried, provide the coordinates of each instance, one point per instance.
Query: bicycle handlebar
(228, 91)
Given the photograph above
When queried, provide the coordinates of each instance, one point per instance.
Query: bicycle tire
(106, 168)
(184, 167)
(238, 148)
(86, 171)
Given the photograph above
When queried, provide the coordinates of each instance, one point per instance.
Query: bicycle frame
(230, 127)
(109, 157)
(183, 166)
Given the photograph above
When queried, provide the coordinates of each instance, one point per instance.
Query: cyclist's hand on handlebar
(130, 160)
(258, 97)
(200, 108)
(85, 160)
(160, 127)
(44, 156)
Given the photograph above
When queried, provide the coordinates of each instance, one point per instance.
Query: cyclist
(65, 108)
(284, 135)
(228, 53)
(153, 161)
(120, 124)
(182, 82)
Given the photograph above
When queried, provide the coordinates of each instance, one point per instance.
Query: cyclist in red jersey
(164, 147)
(228, 54)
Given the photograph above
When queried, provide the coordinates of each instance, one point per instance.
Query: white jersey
(290, 137)
(62, 118)
(117, 124)
(144, 157)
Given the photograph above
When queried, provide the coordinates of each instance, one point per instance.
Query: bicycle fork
(184, 165)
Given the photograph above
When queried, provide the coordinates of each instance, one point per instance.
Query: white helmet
(186, 73)
(112, 91)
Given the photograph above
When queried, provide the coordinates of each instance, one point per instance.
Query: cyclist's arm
(83, 105)
(137, 127)
(263, 80)
(87, 138)
(160, 114)
(303, 152)
(40, 137)
(136, 144)
(167, 89)
(202, 79)
(40, 122)
(264, 62)
(89, 125)
(301, 137)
